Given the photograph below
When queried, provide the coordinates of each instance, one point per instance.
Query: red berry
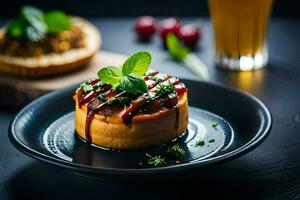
(189, 34)
(170, 25)
(145, 27)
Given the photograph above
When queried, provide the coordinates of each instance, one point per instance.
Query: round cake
(111, 117)
(54, 54)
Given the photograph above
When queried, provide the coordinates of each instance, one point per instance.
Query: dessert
(132, 107)
(37, 43)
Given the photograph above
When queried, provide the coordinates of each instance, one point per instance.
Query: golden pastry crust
(50, 64)
(143, 131)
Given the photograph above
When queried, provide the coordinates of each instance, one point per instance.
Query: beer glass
(240, 32)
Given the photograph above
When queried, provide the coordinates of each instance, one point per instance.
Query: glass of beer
(240, 29)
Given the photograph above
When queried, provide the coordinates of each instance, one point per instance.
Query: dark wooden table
(272, 171)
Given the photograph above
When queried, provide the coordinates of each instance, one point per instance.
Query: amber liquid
(240, 28)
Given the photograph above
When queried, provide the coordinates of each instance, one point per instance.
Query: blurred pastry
(38, 44)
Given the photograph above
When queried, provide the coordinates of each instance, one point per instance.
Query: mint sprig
(33, 24)
(57, 21)
(133, 84)
(29, 24)
(128, 77)
(37, 27)
(16, 27)
(110, 75)
(137, 64)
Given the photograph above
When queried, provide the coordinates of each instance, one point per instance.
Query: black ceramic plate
(45, 130)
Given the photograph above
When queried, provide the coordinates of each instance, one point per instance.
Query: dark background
(270, 172)
(117, 8)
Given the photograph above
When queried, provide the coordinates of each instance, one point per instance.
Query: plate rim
(259, 137)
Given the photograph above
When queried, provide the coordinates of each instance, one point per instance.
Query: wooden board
(16, 91)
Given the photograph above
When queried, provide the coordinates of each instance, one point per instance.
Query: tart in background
(38, 44)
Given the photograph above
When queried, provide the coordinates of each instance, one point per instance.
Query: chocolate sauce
(87, 98)
(92, 95)
(89, 117)
(94, 105)
(156, 83)
(150, 74)
(130, 112)
(177, 117)
(94, 81)
(97, 108)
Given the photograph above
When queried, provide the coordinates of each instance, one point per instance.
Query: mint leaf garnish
(57, 21)
(111, 75)
(129, 78)
(16, 28)
(29, 24)
(33, 34)
(31, 14)
(133, 84)
(137, 64)
(37, 27)
(33, 24)
(177, 51)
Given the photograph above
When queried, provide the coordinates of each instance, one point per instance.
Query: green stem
(194, 64)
